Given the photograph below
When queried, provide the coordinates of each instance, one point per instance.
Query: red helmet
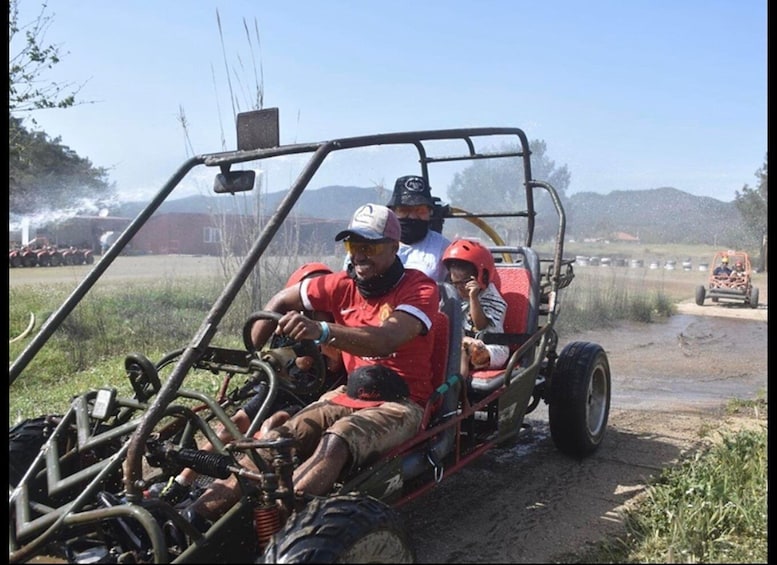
(475, 253)
(307, 270)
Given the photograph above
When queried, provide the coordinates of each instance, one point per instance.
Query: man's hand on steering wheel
(298, 327)
(296, 358)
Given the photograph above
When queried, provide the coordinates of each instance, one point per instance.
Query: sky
(628, 94)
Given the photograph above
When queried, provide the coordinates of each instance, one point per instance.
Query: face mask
(379, 285)
(413, 229)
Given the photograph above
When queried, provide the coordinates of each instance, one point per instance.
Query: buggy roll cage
(258, 140)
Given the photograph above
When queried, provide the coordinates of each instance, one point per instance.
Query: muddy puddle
(687, 362)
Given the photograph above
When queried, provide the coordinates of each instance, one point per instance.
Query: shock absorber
(267, 521)
(277, 491)
(267, 515)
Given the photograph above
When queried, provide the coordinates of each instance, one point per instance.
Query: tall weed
(603, 300)
(710, 509)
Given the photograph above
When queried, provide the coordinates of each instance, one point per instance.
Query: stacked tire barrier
(49, 256)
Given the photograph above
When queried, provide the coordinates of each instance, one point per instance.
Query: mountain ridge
(658, 215)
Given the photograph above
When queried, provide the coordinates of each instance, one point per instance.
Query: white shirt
(495, 308)
(426, 255)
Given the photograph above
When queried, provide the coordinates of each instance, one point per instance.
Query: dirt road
(531, 504)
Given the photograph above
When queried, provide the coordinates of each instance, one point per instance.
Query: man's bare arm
(287, 300)
(365, 341)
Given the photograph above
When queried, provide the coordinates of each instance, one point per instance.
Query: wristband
(324, 334)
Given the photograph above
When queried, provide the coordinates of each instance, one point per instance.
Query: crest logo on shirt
(385, 312)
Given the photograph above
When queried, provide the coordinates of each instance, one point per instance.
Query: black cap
(411, 190)
(372, 385)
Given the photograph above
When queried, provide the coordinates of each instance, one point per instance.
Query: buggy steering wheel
(299, 363)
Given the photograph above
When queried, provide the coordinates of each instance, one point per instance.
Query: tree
(27, 89)
(43, 173)
(489, 185)
(46, 175)
(752, 205)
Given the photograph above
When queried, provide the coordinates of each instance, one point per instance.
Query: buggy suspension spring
(267, 521)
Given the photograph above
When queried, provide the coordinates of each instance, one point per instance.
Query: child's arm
(479, 318)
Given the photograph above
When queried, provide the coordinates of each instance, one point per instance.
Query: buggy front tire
(700, 294)
(580, 399)
(341, 529)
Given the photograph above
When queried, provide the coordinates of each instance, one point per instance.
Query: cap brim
(344, 400)
(411, 200)
(416, 201)
(359, 232)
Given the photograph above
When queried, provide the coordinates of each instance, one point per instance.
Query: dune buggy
(78, 480)
(734, 287)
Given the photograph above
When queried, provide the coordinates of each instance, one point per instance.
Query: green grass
(89, 349)
(679, 252)
(603, 299)
(709, 508)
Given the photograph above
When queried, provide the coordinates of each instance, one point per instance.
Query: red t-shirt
(415, 294)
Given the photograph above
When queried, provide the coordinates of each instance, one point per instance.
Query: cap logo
(365, 394)
(372, 221)
(363, 217)
(415, 184)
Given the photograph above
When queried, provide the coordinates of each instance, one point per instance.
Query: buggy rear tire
(580, 399)
(753, 297)
(341, 529)
(700, 294)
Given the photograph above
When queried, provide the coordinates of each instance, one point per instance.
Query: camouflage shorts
(369, 432)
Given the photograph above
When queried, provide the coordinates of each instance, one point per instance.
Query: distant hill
(327, 203)
(660, 215)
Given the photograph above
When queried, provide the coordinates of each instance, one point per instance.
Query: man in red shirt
(382, 324)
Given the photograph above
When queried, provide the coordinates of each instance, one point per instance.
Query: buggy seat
(447, 328)
(519, 285)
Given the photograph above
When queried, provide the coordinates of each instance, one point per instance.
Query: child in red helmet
(470, 269)
(739, 270)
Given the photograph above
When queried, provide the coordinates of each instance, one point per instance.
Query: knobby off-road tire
(341, 529)
(754, 297)
(580, 399)
(25, 440)
(700, 294)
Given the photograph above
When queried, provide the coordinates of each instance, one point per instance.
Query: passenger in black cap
(420, 247)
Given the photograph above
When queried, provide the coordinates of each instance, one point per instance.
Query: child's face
(459, 278)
